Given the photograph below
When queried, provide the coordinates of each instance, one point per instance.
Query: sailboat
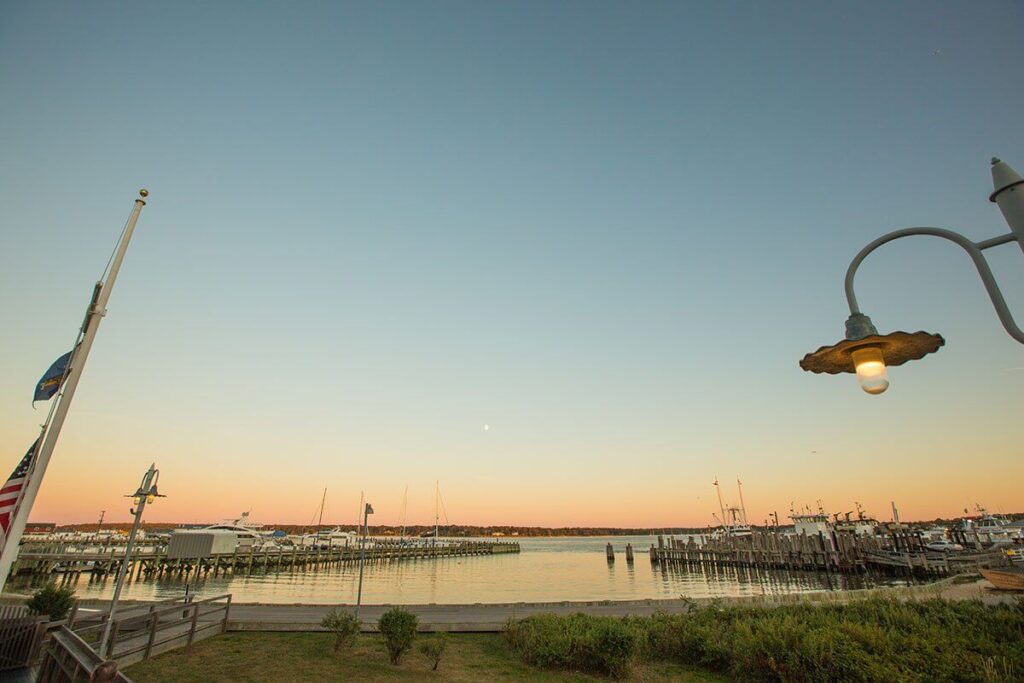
(325, 538)
(435, 534)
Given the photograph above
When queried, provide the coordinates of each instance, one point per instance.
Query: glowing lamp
(871, 372)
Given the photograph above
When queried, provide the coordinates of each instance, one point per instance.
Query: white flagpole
(97, 309)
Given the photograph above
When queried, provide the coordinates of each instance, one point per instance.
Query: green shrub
(434, 648)
(398, 627)
(344, 626)
(577, 642)
(52, 601)
(612, 647)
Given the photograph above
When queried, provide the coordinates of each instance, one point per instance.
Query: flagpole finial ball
(143, 193)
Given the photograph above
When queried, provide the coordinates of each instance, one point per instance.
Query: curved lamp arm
(973, 250)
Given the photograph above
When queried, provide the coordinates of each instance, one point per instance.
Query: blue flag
(52, 379)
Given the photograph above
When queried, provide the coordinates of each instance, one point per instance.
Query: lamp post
(146, 493)
(367, 511)
(866, 353)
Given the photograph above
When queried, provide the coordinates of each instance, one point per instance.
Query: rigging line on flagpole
(81, 330)
(114, 250)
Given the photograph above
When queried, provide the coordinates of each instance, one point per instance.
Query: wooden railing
(69, 659)
(21, 634)
(140, 632)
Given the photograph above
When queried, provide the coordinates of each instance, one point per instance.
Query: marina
(545, 570)
(840, 552)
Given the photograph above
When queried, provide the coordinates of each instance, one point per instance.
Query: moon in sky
(487, 428)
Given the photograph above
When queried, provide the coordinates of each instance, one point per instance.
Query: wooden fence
(138, 633)
(20, 636)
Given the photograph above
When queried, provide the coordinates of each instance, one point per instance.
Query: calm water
(547, 569)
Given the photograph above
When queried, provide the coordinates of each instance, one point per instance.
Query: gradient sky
(607, 230)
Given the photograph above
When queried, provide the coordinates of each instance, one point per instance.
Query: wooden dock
(841, 552)
(154, 561)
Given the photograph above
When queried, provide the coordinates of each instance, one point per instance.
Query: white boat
(734, 519)
(248, 533)
(328, 538)
(861, 525)
(988, 528)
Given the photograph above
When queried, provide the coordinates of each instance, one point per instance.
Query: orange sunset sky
(607, 235)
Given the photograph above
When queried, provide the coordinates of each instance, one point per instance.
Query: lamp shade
(897, 348)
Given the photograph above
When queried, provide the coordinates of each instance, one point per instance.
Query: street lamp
(367, 511)
(866, 353)
(146, 493)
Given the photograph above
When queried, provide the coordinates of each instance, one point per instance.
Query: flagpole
(97, 309)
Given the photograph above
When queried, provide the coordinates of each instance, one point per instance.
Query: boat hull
(1004, 580)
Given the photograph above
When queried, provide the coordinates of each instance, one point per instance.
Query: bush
(52, 601)
(866, 640)
(398, 626)
(578, 642)
(434, 648)
(344, 626)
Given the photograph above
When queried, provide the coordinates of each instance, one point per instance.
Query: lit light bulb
(136, 500)
(150, 498)
(871, 372)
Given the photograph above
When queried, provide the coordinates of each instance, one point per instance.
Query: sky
(562, 258)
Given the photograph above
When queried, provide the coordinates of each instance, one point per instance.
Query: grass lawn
(308, 657)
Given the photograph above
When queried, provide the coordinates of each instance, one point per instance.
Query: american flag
(10, 494)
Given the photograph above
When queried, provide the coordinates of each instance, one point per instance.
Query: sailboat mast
(405, 507)
(743, 506)
(51, 430)
(437, 509)
(721, 505)
(320, 520)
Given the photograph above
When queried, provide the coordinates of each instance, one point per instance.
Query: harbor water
(547, 570)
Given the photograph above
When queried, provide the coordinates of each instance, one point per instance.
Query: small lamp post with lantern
(146, 493)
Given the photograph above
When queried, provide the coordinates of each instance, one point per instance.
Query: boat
(862, 525)
(1005, 579)
(327, 538)
(248, 533)
(734, 519)
(987, 528)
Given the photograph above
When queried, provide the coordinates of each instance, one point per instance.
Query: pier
(35, 560)
(845, 552)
